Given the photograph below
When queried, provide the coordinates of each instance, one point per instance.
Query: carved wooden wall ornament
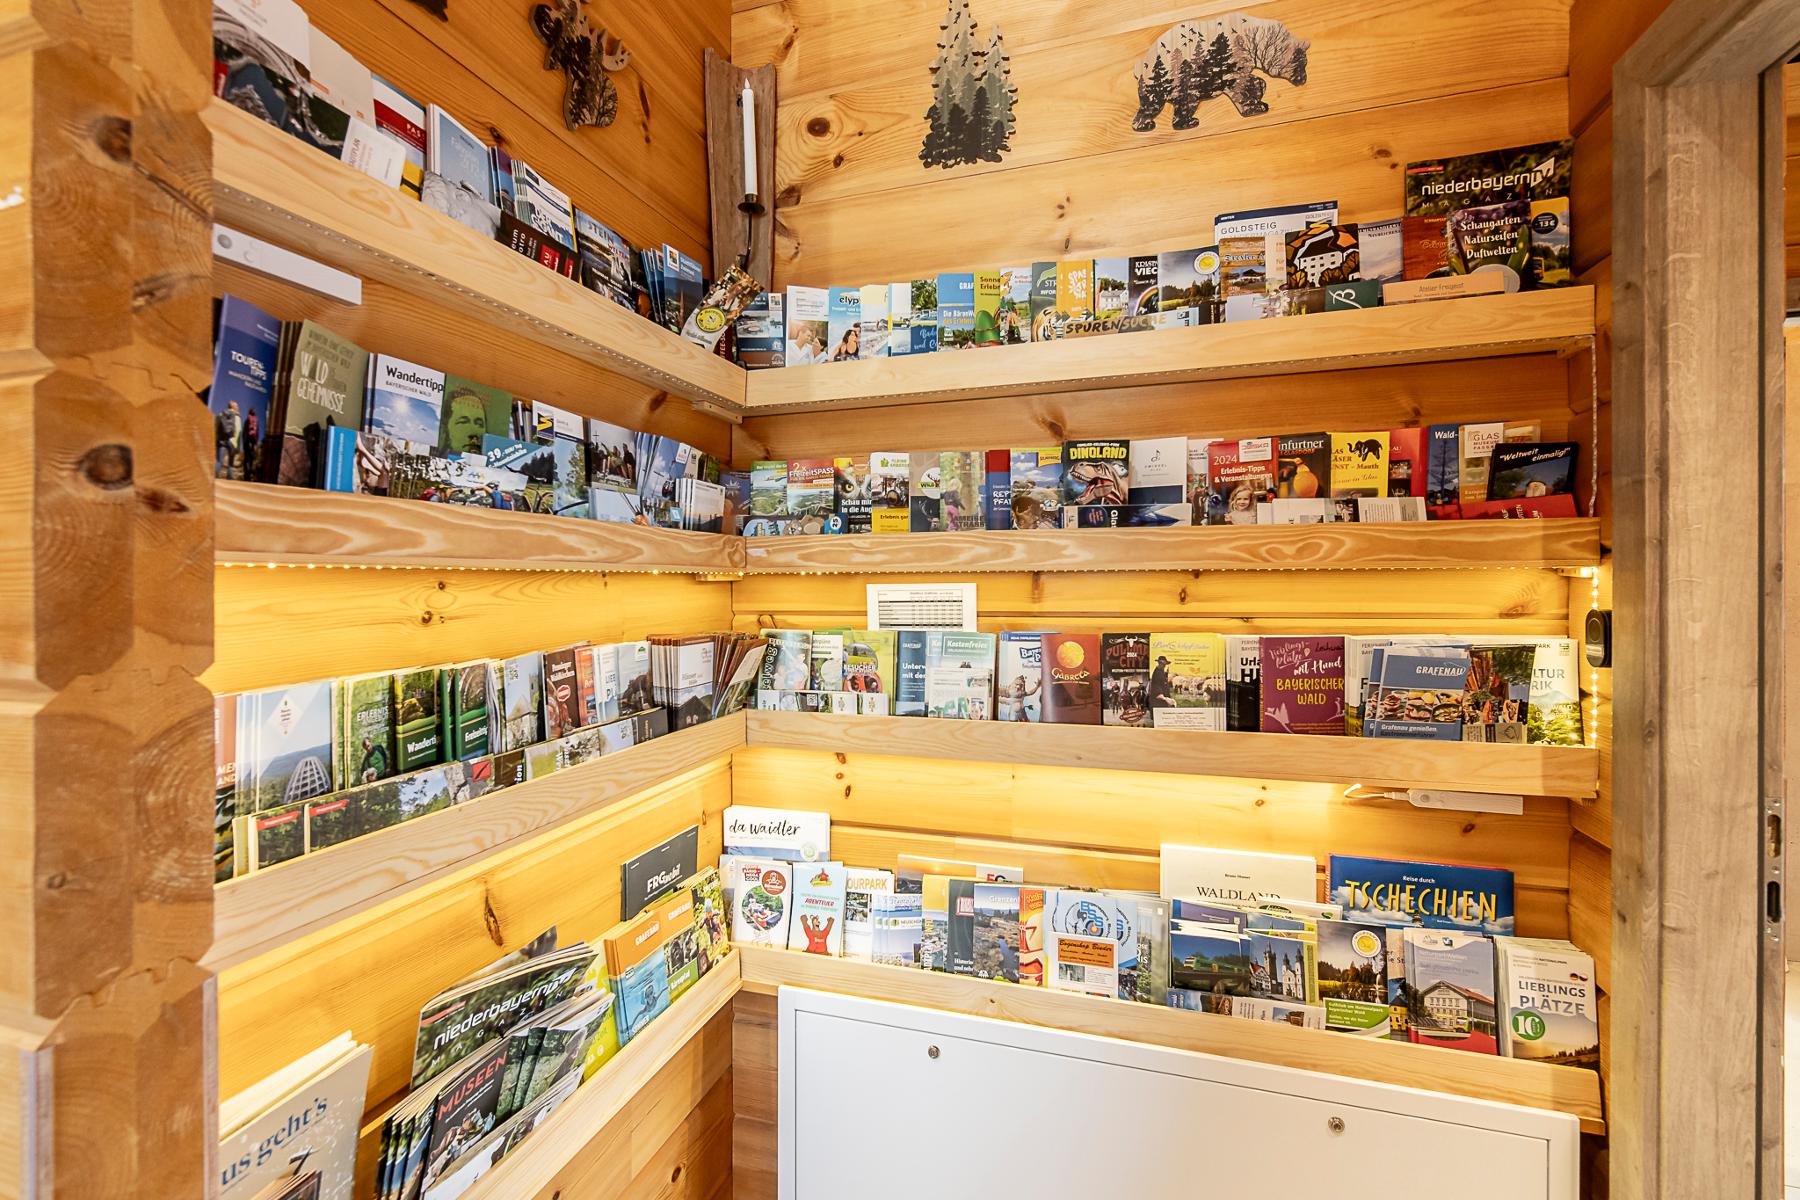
(585, 55)
(1229, 56)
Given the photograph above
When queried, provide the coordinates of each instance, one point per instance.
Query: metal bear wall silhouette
(585, 55)
(1195, 61)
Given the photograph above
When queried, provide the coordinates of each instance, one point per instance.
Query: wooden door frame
(1698, 295)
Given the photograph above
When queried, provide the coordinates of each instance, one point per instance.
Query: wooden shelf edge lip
(1535, 770)
(1429, 545)
(1482, 1077)
(257, 523)
(1554, 319)
(278, 187)
(533, 1164)
(266, 910)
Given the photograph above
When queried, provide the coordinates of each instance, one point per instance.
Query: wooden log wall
(371, 974)
(1384, 85)
(106, 907)
(646, 177)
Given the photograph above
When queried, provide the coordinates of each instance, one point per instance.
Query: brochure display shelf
(1485, 1077)
(1532, 770)
(258, 524)
(1412, 545)
(1559, 320)
(257, 913)
(618, 1088)
(276, 187)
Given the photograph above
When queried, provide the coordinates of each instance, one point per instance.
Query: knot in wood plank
(108, 466)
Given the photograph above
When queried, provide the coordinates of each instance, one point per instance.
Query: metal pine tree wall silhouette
(971, 114)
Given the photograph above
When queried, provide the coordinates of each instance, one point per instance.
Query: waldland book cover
(1214, 875)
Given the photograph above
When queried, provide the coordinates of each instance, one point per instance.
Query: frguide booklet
(657, 872)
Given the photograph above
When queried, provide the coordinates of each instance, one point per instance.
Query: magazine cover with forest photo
(1504, 210)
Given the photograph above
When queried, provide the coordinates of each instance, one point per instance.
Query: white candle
(748, 103)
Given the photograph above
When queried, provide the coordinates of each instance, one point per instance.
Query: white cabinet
(882, 1100)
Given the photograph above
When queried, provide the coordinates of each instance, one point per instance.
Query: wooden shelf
(276, 187)
(532, 1167)
(1482, 1077)
(267, 909)
(261, 523)
(1556, 320)
(1409, 545)
(1374, 762)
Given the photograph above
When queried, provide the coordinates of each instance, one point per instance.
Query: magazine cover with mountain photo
(285, 742)
(260, 53)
